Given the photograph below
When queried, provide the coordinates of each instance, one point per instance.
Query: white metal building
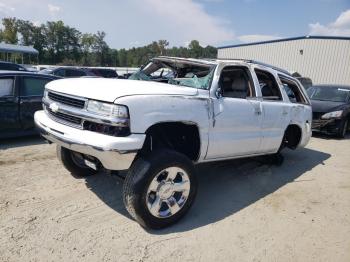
(326, 60)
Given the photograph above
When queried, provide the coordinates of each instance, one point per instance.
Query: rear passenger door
(300, 104)
(275, 111)
(9, 118)
(30, 95)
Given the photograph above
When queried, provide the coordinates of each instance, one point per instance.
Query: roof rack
(259, 63)
(273, 67)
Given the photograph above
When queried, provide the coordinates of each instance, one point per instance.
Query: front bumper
(326, 126)
(114, 153)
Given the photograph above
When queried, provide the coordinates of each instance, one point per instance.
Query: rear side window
(11, 67)
(293, 91)
(6, 87)
(33, 86)
(60, 72)
(268, 85)
(74, 73)
(105, 73)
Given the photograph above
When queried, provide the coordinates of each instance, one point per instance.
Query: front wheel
(159, 189)
(74, 162)
(343, 128)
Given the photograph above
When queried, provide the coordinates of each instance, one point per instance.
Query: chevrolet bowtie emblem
(54, 107)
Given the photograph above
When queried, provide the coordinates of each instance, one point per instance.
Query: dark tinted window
(74, 73)
(108, 73)
(235, 82)
(8, 66)
(60, 72)
(268, 85)
(6, 87)
(33, 86)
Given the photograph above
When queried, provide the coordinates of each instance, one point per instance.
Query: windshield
(333, 94)
(177, 72)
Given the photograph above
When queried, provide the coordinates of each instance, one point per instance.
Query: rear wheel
(160, 189)
(74, 162)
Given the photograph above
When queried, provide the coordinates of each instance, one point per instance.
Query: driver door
(237, 125)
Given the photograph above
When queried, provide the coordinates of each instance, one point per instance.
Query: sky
(211, 22)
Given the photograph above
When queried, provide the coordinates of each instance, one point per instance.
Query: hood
(108, 90)
(326, 106)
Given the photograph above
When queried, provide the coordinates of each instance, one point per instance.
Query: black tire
(343, 128)
(75, 166)
(141, 174)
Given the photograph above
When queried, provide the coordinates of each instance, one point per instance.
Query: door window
(33, 86)
(293, 91)
(60, 72)
(6, 87)
(236, 82)
(268, 85)
(74, 73)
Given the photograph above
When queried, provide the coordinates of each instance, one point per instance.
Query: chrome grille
(67, 100)
(66, 119)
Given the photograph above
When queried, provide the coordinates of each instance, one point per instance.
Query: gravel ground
(245, 210)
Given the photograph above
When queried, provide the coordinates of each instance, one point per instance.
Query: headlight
(107, 109)
(45, 93)
(334, 114)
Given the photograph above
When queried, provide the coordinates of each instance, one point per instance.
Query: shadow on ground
(224, 187)
(329, 137)
(21, 141)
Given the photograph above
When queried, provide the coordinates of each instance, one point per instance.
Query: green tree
(58, 43)
(100, 47)
(26, 30)
(9, 33)
(55, 40)
(87, 41)
(122, 57)
(195, 49)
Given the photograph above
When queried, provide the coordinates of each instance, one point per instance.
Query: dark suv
(103, 72)
(67, 72)
(11, 66)
(20, 96)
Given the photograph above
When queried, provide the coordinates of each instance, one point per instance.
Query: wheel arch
(293, 135)
(181, 136)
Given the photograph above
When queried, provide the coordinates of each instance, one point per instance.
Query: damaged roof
(209, 62)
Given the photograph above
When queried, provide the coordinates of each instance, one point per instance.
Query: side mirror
(218, 92)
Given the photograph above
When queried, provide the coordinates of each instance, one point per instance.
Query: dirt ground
(245, 210)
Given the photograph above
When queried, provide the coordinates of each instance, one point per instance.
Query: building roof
(288, 39)
(9, 48)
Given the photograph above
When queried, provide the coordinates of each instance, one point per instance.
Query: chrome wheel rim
(168, 192)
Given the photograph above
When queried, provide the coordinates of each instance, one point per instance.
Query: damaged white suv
(168, 116)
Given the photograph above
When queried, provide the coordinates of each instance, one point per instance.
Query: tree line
(58, 43)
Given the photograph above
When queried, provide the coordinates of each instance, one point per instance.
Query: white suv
(170, 115)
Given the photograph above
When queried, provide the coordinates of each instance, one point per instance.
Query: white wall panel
(325, 61)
